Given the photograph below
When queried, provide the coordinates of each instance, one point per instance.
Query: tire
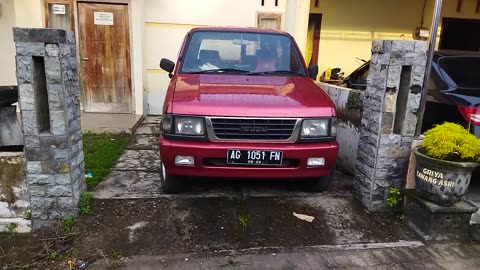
(319, 184)
(170, 184)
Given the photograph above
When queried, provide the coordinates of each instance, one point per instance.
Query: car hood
(250, 96)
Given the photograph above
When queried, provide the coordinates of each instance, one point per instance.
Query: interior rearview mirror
(313, 71)
(167, 65)
(240, 42)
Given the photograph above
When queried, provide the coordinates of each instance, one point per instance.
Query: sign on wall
(58, 9)
(103, 18)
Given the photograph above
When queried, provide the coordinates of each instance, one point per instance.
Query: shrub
(451, 142)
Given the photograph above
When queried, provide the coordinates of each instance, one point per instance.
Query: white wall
(167, 22)
(7, 47)
(349, 26)
(28, 13)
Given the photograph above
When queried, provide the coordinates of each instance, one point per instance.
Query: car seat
(266, 61)
(209, 56)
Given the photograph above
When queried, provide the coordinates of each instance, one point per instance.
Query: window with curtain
(59, 16)
(271, 21)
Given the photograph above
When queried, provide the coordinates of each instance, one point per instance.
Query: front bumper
(210, 159)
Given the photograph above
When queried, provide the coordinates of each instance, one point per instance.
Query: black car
(454, 91)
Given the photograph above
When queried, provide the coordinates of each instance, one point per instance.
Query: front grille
(253, 129)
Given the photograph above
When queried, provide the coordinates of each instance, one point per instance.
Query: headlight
(166, 124)
(189, 125)
(315, 127)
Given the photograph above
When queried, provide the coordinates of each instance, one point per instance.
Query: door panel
(105, 58)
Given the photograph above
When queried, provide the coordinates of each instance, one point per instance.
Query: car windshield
(460, 71)
(241, 53)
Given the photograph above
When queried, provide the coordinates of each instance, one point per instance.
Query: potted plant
(445, 161)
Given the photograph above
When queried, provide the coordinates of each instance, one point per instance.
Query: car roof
(239, 29)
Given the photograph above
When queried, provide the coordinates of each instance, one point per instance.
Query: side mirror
(167, 65)
(313, 71)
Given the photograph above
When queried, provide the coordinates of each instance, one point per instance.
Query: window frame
(179, 69)
(269, 15)
(60, 2)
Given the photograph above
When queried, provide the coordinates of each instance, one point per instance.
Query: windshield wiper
(277, 72)
(219, 70)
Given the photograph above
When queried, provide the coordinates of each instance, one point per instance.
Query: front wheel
(319, 184)
(170, 184)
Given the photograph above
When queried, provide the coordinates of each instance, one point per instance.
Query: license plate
(254, 157)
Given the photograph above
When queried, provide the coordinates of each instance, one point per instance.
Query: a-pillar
(390, 107)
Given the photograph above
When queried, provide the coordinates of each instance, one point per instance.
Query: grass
(101, 150)
(84, 203)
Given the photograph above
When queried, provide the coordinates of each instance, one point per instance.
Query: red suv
(242, 104)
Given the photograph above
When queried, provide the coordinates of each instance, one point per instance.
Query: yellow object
(310, 40)
(328, 74)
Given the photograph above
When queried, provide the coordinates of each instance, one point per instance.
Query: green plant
(68, 224)
(12, 228)
(243, 220)
(27, 215)
(85, 203)
(26, 266)
(394, 197)
(451, 142)
(117, 255)
(54, 255)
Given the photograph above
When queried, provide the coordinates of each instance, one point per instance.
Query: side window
(364, 75)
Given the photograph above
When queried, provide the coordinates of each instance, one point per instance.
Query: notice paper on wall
(103, 18)
(58, 9)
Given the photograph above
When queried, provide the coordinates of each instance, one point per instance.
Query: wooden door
(105, 57)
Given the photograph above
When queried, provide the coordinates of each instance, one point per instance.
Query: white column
(7, 46)
(137, 26)
(296, 21)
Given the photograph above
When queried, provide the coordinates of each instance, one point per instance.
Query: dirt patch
(43, 250)
(166, 226)
(195, 225)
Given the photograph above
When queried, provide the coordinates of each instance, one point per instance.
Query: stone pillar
(391, 103)
(50, 108)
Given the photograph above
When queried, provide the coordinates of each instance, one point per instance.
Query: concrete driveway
(239, 224)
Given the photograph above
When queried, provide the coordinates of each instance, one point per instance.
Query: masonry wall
(49, 94)
(389, 119)
(349, 114)
(14, 201)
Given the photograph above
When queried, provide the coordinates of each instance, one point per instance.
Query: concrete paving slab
(143, 142)
(139, 160)
(129, 185)
(110, 122)
(150, 129)
(281, 260)
(152, 119)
